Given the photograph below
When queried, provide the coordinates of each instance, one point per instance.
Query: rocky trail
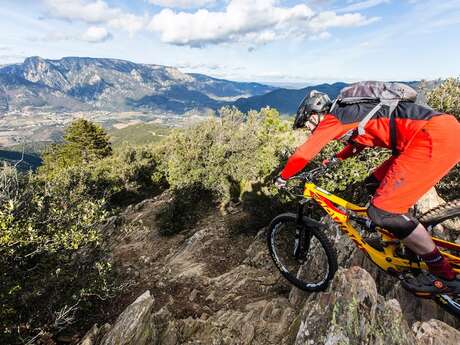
(212, 284)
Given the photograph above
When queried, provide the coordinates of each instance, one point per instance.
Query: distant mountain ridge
(81, 83)
(286, 100)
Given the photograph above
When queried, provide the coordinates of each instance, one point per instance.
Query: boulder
(435, 332)
(134, 326)
(352, 313)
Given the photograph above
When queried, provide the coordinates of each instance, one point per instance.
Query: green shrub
(130, 174)
(226, 154)
(50, 254)
(346, 179)
(446, 97)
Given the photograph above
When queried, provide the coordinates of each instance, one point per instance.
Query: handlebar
(311, 175)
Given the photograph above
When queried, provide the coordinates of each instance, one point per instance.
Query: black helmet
(315, 103)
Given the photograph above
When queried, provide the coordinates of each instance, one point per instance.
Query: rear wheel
(444, 222)
(303, 254)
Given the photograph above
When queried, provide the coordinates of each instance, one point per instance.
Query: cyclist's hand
(280, 183)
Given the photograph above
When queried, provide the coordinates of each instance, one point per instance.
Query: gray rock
(134, 326)
(91, 337)
(430, 200)
(435, 332)
(352, 313)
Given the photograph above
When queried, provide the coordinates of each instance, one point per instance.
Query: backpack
(384, 94)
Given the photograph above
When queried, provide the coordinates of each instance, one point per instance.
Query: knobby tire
(316, 232)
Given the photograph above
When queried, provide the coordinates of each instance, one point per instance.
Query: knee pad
(400, 225)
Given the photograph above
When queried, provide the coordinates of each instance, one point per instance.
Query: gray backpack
(382, 93)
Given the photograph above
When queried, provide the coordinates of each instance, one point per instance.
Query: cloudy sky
(295, 41)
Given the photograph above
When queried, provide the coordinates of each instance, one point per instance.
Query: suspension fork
(302, 234)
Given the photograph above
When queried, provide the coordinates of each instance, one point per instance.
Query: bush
(130, 174)
(51, 245)
(50, 253)
(446, 97)
(226, 154)
(346, 180)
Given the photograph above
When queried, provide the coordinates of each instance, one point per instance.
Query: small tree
(84, 141)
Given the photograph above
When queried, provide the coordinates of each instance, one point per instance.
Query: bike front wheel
(302, 252)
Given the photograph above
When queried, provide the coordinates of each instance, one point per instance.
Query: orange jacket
(410, 119)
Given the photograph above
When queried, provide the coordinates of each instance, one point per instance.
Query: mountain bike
(301, 249)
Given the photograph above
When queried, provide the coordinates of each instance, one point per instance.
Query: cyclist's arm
(329, 128)
(350, 150)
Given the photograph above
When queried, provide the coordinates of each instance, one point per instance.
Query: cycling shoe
(426, 284)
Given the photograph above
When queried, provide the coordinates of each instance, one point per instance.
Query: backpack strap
(366, 119)
(394, 150)
(392, 104)
(334, 103)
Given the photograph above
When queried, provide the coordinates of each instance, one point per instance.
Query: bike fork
(302, 234)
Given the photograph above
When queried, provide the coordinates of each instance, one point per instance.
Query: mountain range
(84, 84)
(79, 84)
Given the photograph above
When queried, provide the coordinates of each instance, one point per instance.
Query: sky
(279, 41)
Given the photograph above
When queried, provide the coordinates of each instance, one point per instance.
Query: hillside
(80, 83)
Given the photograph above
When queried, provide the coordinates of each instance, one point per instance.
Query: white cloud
(182, 3)
(362, 5)
(321, 36)
(254, 22)
(329, 19)
(95, 12)
(96, 34)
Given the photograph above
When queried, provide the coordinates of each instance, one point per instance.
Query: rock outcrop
(435, 332)
(350, 313)
(134, 326)
(210, 285)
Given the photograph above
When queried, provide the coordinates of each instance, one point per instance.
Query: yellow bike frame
(338, 208)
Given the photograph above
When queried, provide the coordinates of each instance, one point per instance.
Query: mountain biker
(427, 148)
